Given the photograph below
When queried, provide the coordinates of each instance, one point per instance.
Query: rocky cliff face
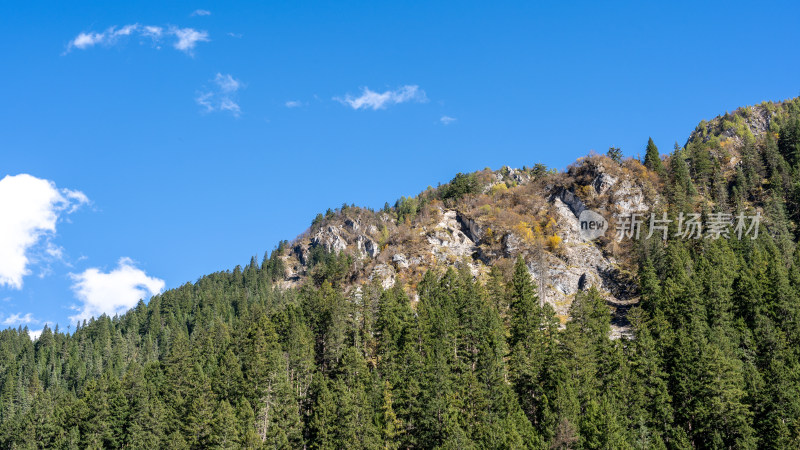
(515, 213)
(493, 217)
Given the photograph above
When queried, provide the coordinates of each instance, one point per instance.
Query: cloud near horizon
(112, 292)
(19, 319)
(30, 208)
(380, 100)
(24, 320)
(185, 39)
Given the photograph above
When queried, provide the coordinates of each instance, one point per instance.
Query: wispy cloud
(30, 208)
(109, 37)
(380, 100)
(19, 319)
(222, 96)
(112, 292)
(447, 120)
(184, 39)
(201, 12)
(294, 104)
(152, 31)
(188, 38)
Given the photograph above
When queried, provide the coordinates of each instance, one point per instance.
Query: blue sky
(202, 133)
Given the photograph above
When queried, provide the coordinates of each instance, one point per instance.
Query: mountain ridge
(474, 315)
(456, 231)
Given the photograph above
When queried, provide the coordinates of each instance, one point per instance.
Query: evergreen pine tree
(652, 158)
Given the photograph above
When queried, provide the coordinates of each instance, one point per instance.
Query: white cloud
(19, 319)
(76, 199)
(447, 120)
(29, 211)
(294, 104)
(201, 12)
(85, 40)
(34, 334)
(227, 104)
(204, 100)
(221, 97)
(114, 292)
(186, 38)
(108, 37)
(380, 100)
(152, 31)
(16, 320)
(127, 30)
(227, 83)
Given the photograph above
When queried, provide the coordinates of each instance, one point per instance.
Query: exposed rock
(629, 198)
(448, 241)
(301, 252)
(290, 272)
(519, 176)
(569, 228)
(385, 273)
(353, 225)
(582, 283)
(582, 264)
(511, 245)
(367, 247)
(400, 260)
(603, 181)
(330, 238)
(571, 200)
(458, 237)
(472, 229)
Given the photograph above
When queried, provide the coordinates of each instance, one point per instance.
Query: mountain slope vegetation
(458, 319)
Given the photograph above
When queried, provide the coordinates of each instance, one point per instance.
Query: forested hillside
(312, 348)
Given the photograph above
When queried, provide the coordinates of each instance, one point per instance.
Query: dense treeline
(231, 361)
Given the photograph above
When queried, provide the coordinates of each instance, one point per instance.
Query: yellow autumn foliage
(498, 188)
(524, 231)
(554, 242)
